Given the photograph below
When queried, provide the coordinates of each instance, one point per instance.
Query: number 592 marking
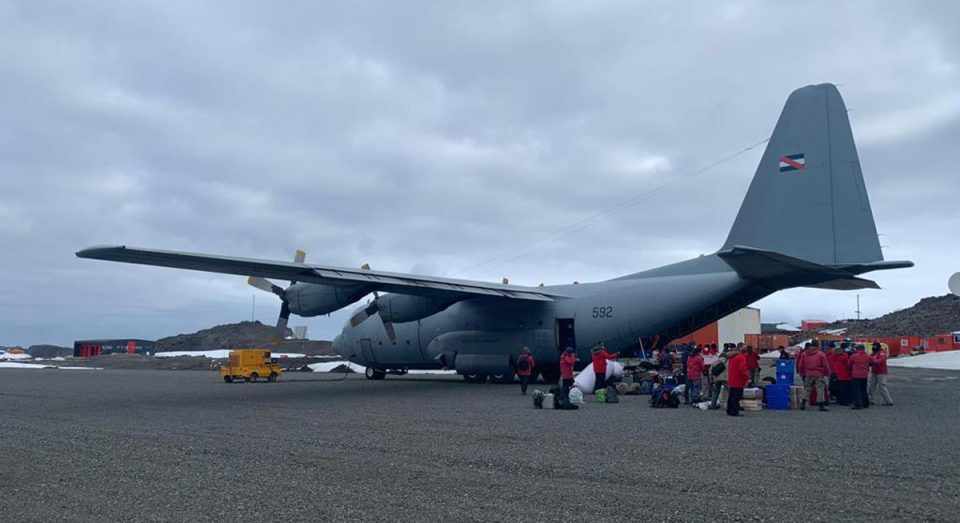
(603, 312)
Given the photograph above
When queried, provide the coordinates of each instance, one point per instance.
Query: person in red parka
(878, 379)
(738, 376)
(600, 357)
(840, 364)
(694, 376)
(815, 369)
(567, 361)
(859, 372)
(525, 365)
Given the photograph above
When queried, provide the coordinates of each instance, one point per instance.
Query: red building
(812, 325)
(89, 348)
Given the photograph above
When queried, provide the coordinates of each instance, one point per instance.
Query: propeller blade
(266, 285)
(261, 283)
(391, 333)
(284, 317)
(361, 315)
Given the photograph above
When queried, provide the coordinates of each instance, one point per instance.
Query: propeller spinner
(268, 286)
(372, 308)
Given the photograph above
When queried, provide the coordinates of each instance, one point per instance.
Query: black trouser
(860, 393)
(524, 381)
(843, 392)
(733, 401)
(565, 385)
(835, 393)
(601, 382)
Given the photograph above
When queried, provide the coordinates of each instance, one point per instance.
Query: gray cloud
(456, 140)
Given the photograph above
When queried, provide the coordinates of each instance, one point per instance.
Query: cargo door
(565, 334)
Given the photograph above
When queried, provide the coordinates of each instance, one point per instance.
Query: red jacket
(860, 365)
(737, 374)
(695, 367)
(814, 364)
(753, 360)
(879, 363)
(600, 360)
(531, 363)
(840, 363)
(567, 361)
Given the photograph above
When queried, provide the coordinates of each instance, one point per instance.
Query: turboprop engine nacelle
(312, 299)
(401, 308)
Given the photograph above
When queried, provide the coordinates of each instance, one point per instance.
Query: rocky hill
(930, 316)
(49, 351)
(230, 336)
(246, 334)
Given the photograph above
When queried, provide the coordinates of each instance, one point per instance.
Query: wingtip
(97, 250)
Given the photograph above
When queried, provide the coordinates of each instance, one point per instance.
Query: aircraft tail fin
(807, 199)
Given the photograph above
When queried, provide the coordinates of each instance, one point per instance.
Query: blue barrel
(777, 396)
(785, 370)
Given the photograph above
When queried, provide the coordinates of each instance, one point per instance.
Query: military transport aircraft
(806, 222)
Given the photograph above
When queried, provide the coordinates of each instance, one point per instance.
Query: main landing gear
(378, 374)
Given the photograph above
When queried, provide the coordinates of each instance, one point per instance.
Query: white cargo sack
(587, 378)
(576, 397)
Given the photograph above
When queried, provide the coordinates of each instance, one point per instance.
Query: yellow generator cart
(250, 365)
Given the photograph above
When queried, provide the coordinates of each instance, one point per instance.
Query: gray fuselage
(482, 335)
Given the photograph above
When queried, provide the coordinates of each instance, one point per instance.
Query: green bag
(600, 395)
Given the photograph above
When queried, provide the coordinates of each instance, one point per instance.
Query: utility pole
(253, 307)
(858, 307)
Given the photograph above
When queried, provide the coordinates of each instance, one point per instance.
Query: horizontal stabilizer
(783, 271)
(846, 284)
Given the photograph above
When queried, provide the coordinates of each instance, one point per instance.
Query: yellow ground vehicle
(250, 365)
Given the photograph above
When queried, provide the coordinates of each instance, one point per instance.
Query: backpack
(646, 387)
(538, 399)
(523, 364)
(717, 368)
(663, 397)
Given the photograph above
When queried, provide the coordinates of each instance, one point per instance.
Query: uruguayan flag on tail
(792, 162)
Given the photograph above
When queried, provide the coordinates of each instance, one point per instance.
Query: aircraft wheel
(475, 378)
(501, 378)
(374, 374)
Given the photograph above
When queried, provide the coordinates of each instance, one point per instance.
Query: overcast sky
(455, 141)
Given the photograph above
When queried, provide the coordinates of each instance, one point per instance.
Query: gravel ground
(158, 445)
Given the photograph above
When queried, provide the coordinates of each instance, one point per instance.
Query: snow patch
(14, 356)
(786, 327)
(328, 366)
(948, 360)
(17, 365)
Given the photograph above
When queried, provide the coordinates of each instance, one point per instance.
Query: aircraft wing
(400, 283)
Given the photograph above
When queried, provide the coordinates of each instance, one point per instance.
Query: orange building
(733, 328)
